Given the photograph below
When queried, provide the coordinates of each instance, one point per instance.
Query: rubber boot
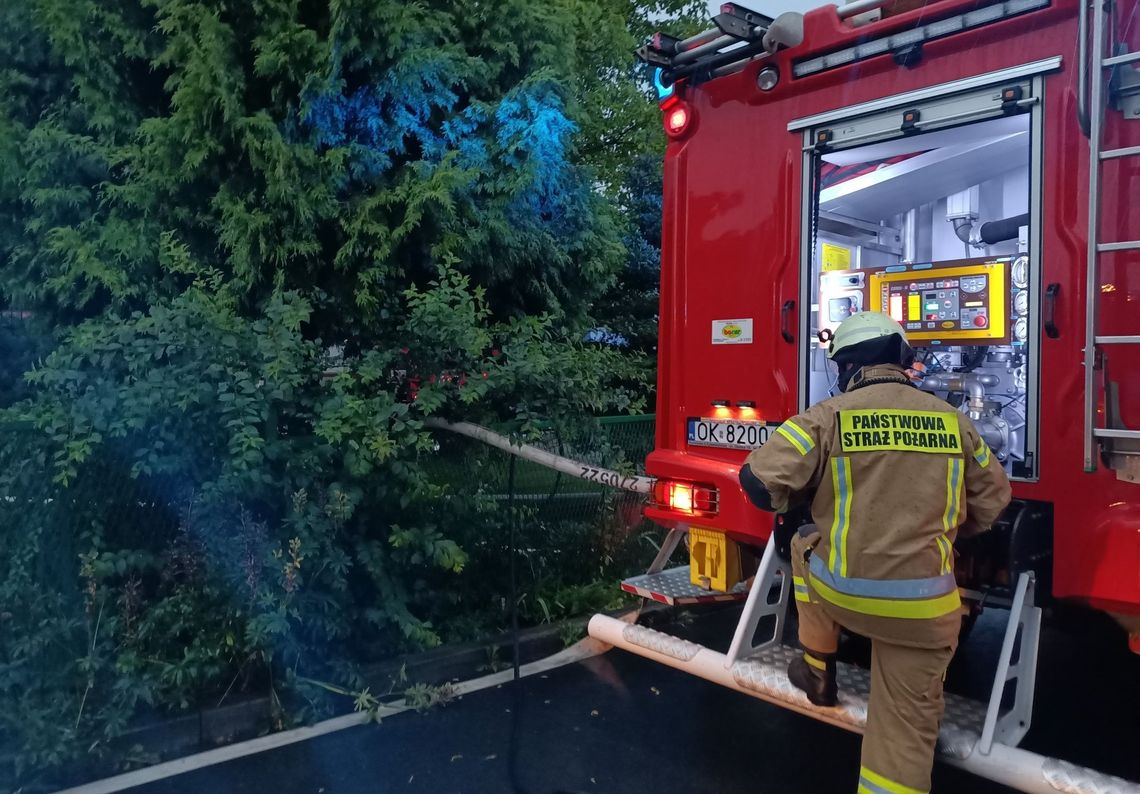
(814, 674)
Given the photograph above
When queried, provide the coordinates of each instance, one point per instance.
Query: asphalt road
(618, 723)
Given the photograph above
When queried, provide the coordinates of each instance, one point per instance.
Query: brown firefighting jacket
(893, 474)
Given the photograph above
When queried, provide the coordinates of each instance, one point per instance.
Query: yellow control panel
(954, 305)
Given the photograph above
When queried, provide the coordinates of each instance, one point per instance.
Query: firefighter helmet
(863, 327)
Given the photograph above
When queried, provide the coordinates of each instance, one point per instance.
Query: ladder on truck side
(1121, 445)
(980, 737)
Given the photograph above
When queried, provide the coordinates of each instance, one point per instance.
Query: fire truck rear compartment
(935, 230)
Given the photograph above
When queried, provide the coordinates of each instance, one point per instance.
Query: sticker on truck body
(732, 332)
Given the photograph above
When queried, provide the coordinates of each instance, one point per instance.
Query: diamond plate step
(1072, 779)
(674, 588)
(766, 675)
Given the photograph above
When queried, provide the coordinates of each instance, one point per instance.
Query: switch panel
(955, 304)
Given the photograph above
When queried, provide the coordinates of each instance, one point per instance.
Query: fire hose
(573, 468)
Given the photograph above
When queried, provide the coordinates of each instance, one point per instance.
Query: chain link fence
(109, 602)
(581, 531)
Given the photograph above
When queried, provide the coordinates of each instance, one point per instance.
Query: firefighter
(892, 476)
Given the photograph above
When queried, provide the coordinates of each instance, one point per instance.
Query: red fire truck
(967, 167)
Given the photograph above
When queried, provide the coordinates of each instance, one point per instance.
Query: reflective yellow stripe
(796, 437)
(982, 454)
(953, 494)
(841, 485)
(946, 550)
(872, 780)
(816, 663)
(920, 608)
(801, 590)
(952, 514)
(798, 431)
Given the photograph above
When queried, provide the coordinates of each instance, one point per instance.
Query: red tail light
(685, 497)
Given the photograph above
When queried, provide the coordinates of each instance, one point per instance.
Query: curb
(216, 729)
(580, 651)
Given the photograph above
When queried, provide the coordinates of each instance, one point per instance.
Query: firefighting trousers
(906, 703)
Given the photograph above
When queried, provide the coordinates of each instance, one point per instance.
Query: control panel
(958, 304)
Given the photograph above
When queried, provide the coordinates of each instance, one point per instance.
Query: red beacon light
(678, 118)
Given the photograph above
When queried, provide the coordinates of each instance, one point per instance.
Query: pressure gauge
(1019, 272)
(1021, 302)
(1020, 329)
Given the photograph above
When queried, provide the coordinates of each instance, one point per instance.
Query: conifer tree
(259, 242)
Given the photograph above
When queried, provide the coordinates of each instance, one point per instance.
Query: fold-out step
(674, 588)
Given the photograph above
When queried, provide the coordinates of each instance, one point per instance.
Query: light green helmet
(863, 327)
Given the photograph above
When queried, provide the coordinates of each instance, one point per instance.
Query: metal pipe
(699, 39)
(717, 61)
(582, 471)
(1102, 432)
(973, 384)
(1121, 60)
(910, 236)
(1038, 774)
(1019, 769)
(962, 228)
(704, 49)
(858, 7)
(1122, 245)
(952, 382)
(736, 67)
(1112, 154)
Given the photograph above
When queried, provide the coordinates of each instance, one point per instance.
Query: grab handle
(786, 312)
(1051, 291)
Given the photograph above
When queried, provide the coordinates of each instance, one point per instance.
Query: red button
(980, 321)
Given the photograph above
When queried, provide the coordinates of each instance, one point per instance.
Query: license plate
(728, 433)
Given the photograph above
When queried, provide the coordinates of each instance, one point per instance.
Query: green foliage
(628, 312)
(422, 697)
(247, 249)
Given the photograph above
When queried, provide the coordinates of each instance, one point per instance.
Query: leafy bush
(266, 240)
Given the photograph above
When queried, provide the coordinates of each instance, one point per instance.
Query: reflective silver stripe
(883, 588)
